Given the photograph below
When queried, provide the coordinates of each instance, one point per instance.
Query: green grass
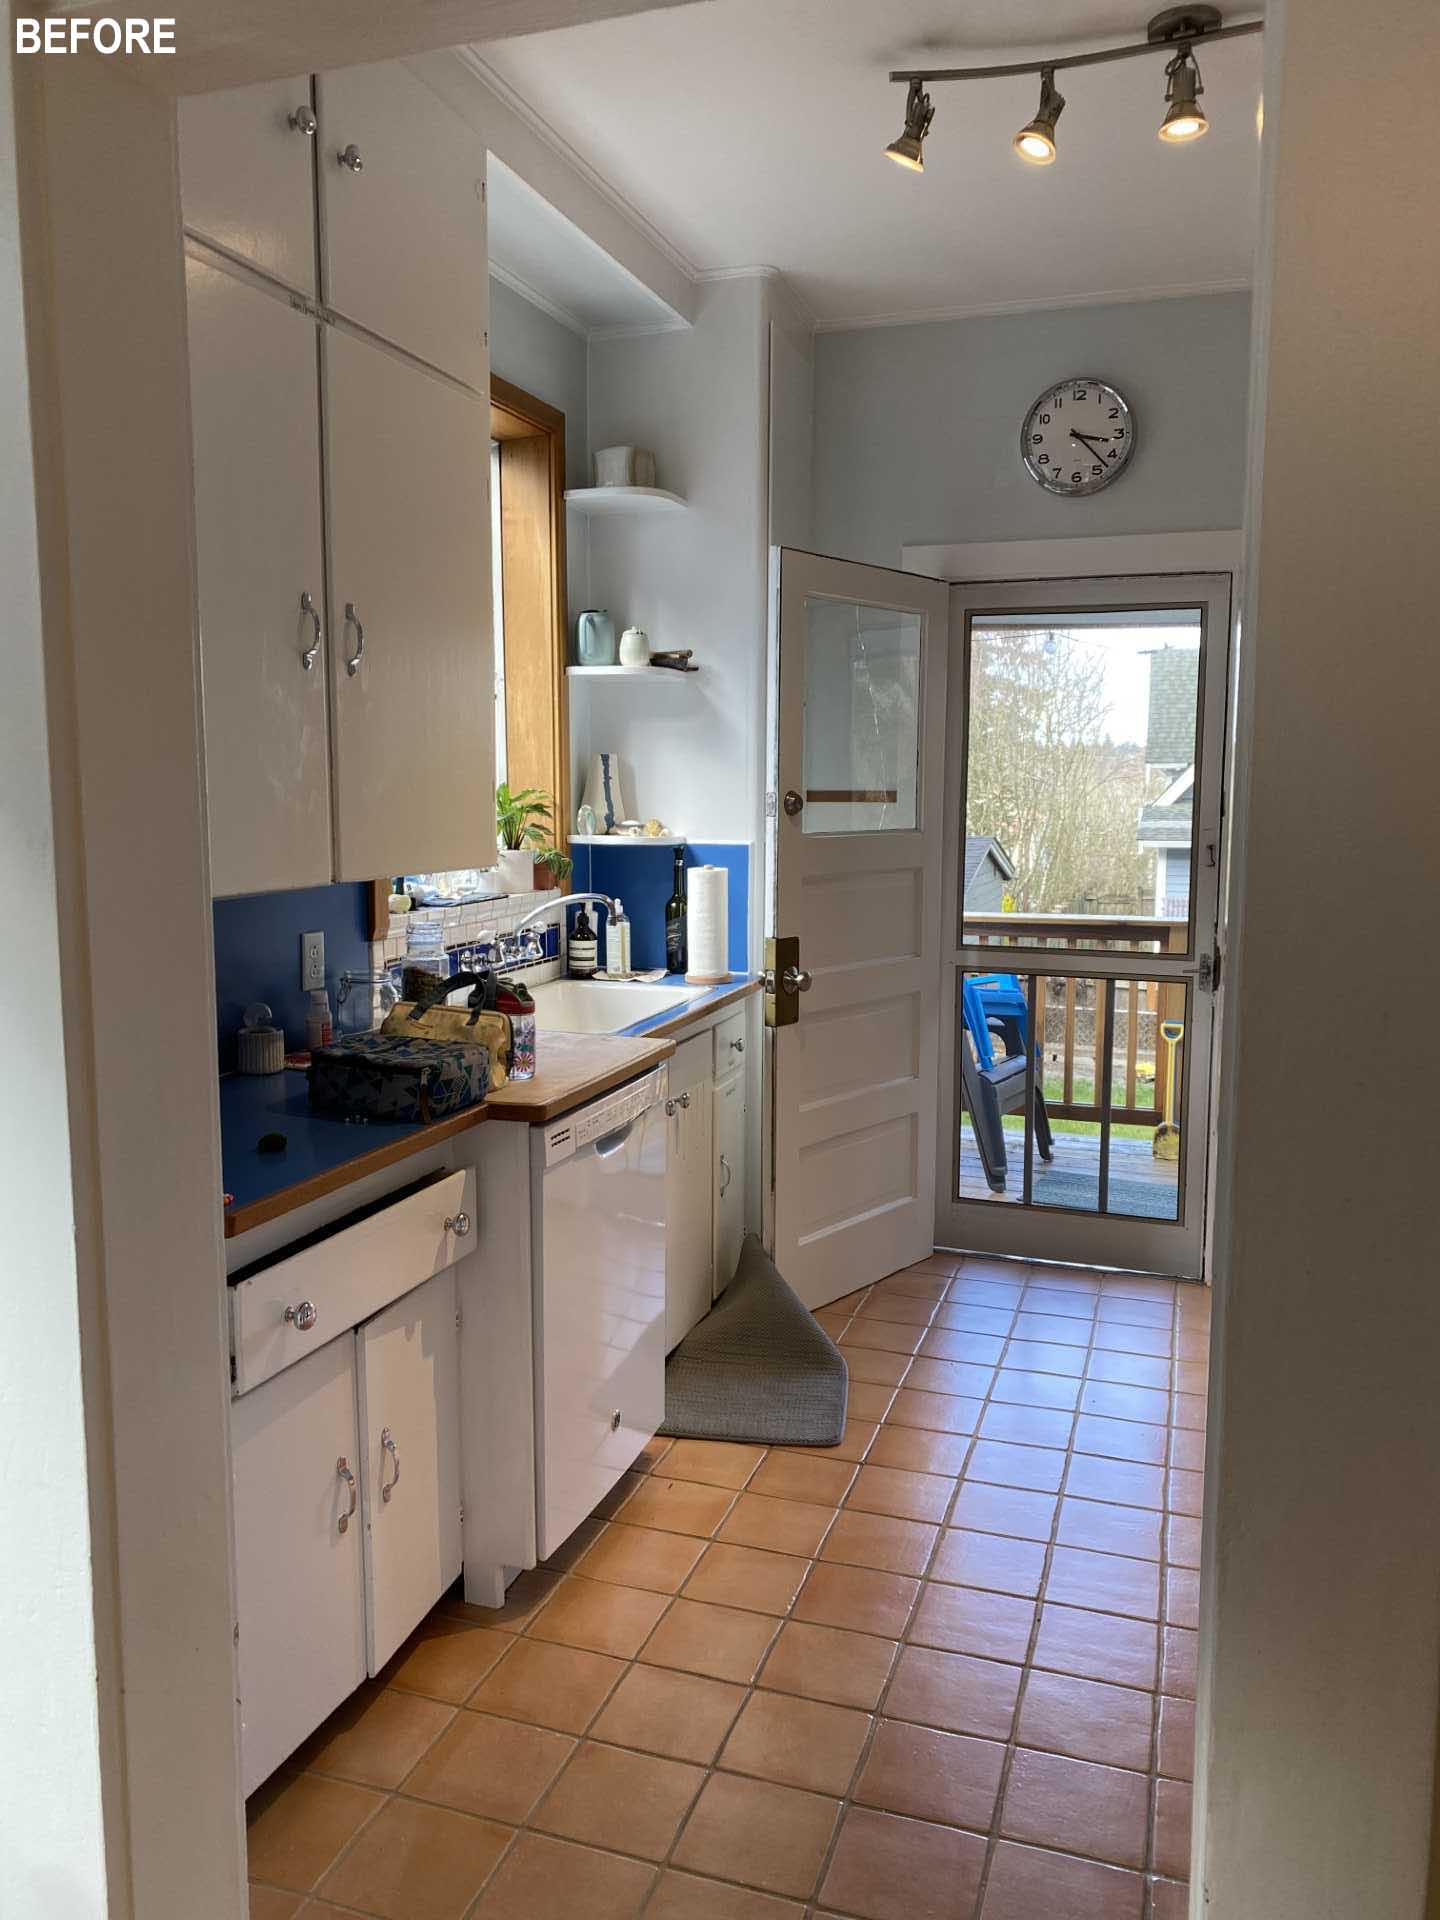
(1082, 1092)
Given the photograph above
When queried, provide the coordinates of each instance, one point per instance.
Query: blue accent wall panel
(643, 877)
(257, 954)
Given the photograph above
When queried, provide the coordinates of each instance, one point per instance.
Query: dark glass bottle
(677, 935)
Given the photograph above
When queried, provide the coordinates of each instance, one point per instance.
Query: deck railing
(1065, 1007)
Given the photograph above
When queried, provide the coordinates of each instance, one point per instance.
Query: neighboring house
(1166, 822)
(988, 874)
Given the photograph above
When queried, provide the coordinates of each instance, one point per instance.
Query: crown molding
(1116, 297)
(482, 71)
(517, 284)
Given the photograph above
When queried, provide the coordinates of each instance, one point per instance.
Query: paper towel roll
(707, 892)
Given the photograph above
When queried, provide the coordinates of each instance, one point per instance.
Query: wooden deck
(1075, 1153)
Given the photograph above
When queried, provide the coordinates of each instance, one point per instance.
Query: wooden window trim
(532, 531)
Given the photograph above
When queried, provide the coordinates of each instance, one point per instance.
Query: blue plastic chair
(993, 1006)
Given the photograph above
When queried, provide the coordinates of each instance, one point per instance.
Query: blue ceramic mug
(595, 644)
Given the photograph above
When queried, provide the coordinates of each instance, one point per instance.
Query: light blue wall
(917, 428)
(531, 350)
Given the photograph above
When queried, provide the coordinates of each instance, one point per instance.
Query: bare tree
(1043, 775)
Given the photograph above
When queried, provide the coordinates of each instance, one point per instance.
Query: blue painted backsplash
(644, 878)
(257, 954)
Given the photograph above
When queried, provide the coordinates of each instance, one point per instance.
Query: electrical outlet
(312, 961)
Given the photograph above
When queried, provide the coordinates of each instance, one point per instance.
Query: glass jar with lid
(364, 998)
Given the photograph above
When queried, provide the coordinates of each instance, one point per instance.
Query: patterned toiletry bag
(386, 1076)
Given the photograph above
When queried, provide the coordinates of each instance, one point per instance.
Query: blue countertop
(324, 1151)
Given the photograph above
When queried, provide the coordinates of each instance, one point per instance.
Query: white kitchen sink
(602, 1006)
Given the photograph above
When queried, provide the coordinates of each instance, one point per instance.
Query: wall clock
(1078, 437)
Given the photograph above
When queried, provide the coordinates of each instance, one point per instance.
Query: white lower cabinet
(689, 1249)
(408, 1378)
(346, 1473)
(299, 1553)
(727, 1104)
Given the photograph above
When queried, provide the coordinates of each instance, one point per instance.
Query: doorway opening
(1082, 859)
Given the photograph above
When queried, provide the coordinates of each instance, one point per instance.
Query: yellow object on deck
(1166, 1144)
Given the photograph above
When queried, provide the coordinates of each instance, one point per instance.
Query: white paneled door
(858, 666)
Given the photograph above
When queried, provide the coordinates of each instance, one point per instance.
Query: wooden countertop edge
(522, 1100)
(513, 1102)
(256, 1213)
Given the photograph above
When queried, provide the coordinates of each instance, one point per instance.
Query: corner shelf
(627, 673)
(624, 500)
(628, 840)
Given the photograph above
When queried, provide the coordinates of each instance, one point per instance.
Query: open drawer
(294, 1302)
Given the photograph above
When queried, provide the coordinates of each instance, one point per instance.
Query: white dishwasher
(598, 1182)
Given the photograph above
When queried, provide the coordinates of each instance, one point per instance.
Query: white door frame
(1219, 550)
(1062, 1234)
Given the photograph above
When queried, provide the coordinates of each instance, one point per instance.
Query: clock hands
(1088, 439)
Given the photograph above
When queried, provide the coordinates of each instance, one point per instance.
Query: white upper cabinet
(402, 209)
(264, 657)
(408, 460)
(248, 179)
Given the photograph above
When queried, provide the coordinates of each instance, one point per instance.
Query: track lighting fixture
(1185, 117)
(908, 150)
(1177, 30)
(1035, 141)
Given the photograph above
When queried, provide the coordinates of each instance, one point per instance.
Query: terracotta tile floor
(944, 1671)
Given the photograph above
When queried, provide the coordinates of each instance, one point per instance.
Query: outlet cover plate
(312, 961)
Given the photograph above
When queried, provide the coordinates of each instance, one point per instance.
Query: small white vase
(634, 647)
(517, 870)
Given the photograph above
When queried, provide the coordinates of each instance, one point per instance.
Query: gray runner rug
(757, 1368)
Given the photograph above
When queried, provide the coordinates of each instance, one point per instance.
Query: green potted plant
(523, 830)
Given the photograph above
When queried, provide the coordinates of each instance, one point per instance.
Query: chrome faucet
(565, 900)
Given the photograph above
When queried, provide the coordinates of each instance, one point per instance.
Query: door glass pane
(1091, 1149)
(862, 726)
(1082, 737)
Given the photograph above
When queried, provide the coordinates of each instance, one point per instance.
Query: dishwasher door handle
(609, 1144)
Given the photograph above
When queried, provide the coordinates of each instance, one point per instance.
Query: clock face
(1078, 437)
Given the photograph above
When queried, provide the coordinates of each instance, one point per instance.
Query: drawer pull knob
(737, 1046)
(387, 1445)
(303, 1317)
(342, 1468)
(458, 1223)
(350, 157)
(615, 1421)
(304, 121)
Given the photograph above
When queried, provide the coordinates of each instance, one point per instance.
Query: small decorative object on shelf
(624, 467)
(595, 639)
(603, 793)
(634, 647)
(260, 1043)
(585, 822)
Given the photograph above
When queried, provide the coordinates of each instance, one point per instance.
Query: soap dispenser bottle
(581, 948)
(617, 942)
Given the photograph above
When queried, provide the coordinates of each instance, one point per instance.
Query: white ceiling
(750, 133)
(540, 253)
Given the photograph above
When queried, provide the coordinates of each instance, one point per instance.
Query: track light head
(908, 149)
(1184, 116)
(1035, 141)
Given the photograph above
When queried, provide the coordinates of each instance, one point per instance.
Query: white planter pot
(517, 870)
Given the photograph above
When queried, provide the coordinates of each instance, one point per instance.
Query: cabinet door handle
(342, 1467)
(310, 612)
(350, 157)
(352, 619)
(304, 121)
(387, 1445)
(683, 1100)
(303, 1316)
(726, 1176)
